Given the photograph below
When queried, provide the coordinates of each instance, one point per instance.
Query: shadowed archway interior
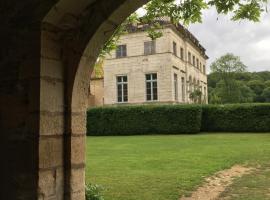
(45, 64)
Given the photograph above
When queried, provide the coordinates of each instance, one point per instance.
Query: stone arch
(45, 66)
(77, 31)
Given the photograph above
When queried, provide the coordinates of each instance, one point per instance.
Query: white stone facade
(164, 62)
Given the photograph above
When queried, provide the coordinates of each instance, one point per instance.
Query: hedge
(144, 119)
(236, 118)
(178, 119)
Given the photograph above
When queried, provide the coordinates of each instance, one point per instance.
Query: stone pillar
(52, 117)
(19, 111)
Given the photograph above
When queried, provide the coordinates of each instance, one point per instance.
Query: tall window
(193, 61)
(150, 47)
(175, 81)
(122, 89)
(205, 100)
(151, 87)
(183, 89)
(121, 51)
(189, 57)
(182, 53)
(197, 60)
(200, 66)
(204, 71)
(174, 49)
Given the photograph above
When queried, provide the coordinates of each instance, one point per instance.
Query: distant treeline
(245, 87)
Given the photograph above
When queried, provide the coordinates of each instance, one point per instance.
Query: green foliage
(266, 94)
(227, 65)
(186, 12)
(214, 98)
(225, 69)
(250, 87)
(267, 83)
(177, 119)
(93, 192)
(236, 118)
(146, 119)
(165, 167)
(196, 96)
(257, 86)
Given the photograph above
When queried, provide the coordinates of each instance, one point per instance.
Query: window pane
(125, 98)
(154, 93)
(148, 77)
(119, 79)
(174, 48)
(146, 48)
(148, 97)
(125, 78)
(155, 84)
(121, 51)
(154, 76)
(125, 89)
(124, 51)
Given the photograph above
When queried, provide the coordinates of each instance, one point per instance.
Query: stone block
(78, 150)
(50, 152)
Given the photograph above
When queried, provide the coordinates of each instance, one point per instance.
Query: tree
(267, 83)
(196, 96)
(266, 94)
(186, 12)
(246, 94)
(226, 67)
(257, 86)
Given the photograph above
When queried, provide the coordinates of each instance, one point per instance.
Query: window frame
(175, 83)
(122, 83)
(182, 53)
(151, 81)
(151, 49)
(183, 87)
(123, 53)
(189, 57)
(174, 48)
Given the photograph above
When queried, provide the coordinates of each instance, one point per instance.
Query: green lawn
(166, 167)
(254, 186)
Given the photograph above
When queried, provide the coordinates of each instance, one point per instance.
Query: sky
(249, 40)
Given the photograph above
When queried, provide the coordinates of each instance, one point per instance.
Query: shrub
(93, 192)
(144, 119)
(236, 118)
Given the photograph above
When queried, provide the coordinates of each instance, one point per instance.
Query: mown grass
(254, 186)
(166, 167)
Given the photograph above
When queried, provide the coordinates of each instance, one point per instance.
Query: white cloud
(250, 41)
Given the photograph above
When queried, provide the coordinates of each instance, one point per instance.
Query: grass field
(166, 167)
(254, 186)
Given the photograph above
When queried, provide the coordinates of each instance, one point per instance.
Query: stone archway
(45, 65)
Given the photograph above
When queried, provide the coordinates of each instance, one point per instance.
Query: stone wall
(96, 97)
(135, 65)
(44, 79)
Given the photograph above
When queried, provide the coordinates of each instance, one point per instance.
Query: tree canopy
(187, 12)
(247, 87)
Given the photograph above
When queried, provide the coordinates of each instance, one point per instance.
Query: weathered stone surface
(51, 152)
(77, 180)
(78, 153)
(51, 184)
(40, 79)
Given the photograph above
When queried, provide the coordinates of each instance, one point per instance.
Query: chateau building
(170, 69)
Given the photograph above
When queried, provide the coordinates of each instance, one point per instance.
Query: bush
(93, 192)
(236, 118)
(144, 119)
